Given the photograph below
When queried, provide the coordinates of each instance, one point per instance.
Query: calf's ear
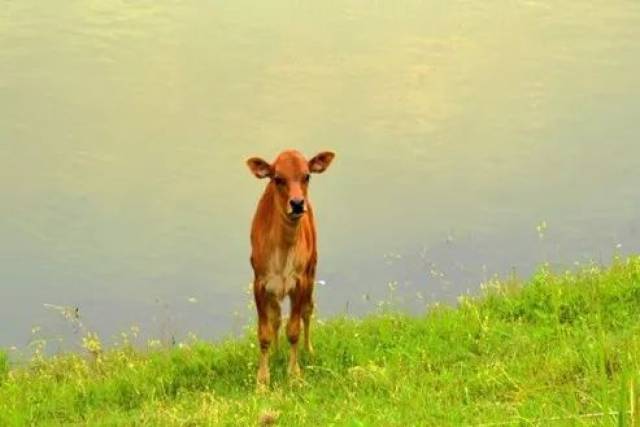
(321, 161)
(260, 168)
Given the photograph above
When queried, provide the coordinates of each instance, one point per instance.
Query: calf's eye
(279, 181)
(306, 178)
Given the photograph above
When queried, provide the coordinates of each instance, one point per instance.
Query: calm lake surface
(460, 127)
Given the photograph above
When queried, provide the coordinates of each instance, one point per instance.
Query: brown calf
(284, 256)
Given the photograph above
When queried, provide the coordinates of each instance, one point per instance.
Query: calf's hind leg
(307, 310)
(275, 318)
(293, 332)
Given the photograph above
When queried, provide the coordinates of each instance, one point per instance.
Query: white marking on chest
(283, 273)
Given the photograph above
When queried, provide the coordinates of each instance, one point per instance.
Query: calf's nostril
(297, 205)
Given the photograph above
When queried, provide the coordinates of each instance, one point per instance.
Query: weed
(563, 348)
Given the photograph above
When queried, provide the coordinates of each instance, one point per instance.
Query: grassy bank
(561, 349)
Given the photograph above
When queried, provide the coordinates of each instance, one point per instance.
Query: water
(459, 127)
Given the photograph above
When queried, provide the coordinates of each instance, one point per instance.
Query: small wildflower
(541, 228)
(390, 257)
(192, 300)
(135, 331)
(435, 273)
(92, 343)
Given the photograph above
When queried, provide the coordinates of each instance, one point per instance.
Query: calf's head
(289, 176)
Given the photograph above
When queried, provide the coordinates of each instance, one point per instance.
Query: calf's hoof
(309, 348)
(262, 379)
(294, 370)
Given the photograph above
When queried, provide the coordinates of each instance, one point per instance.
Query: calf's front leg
(268, 318)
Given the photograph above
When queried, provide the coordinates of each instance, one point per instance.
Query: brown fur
(284, 254)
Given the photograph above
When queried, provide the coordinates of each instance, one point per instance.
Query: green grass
(561, 349)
